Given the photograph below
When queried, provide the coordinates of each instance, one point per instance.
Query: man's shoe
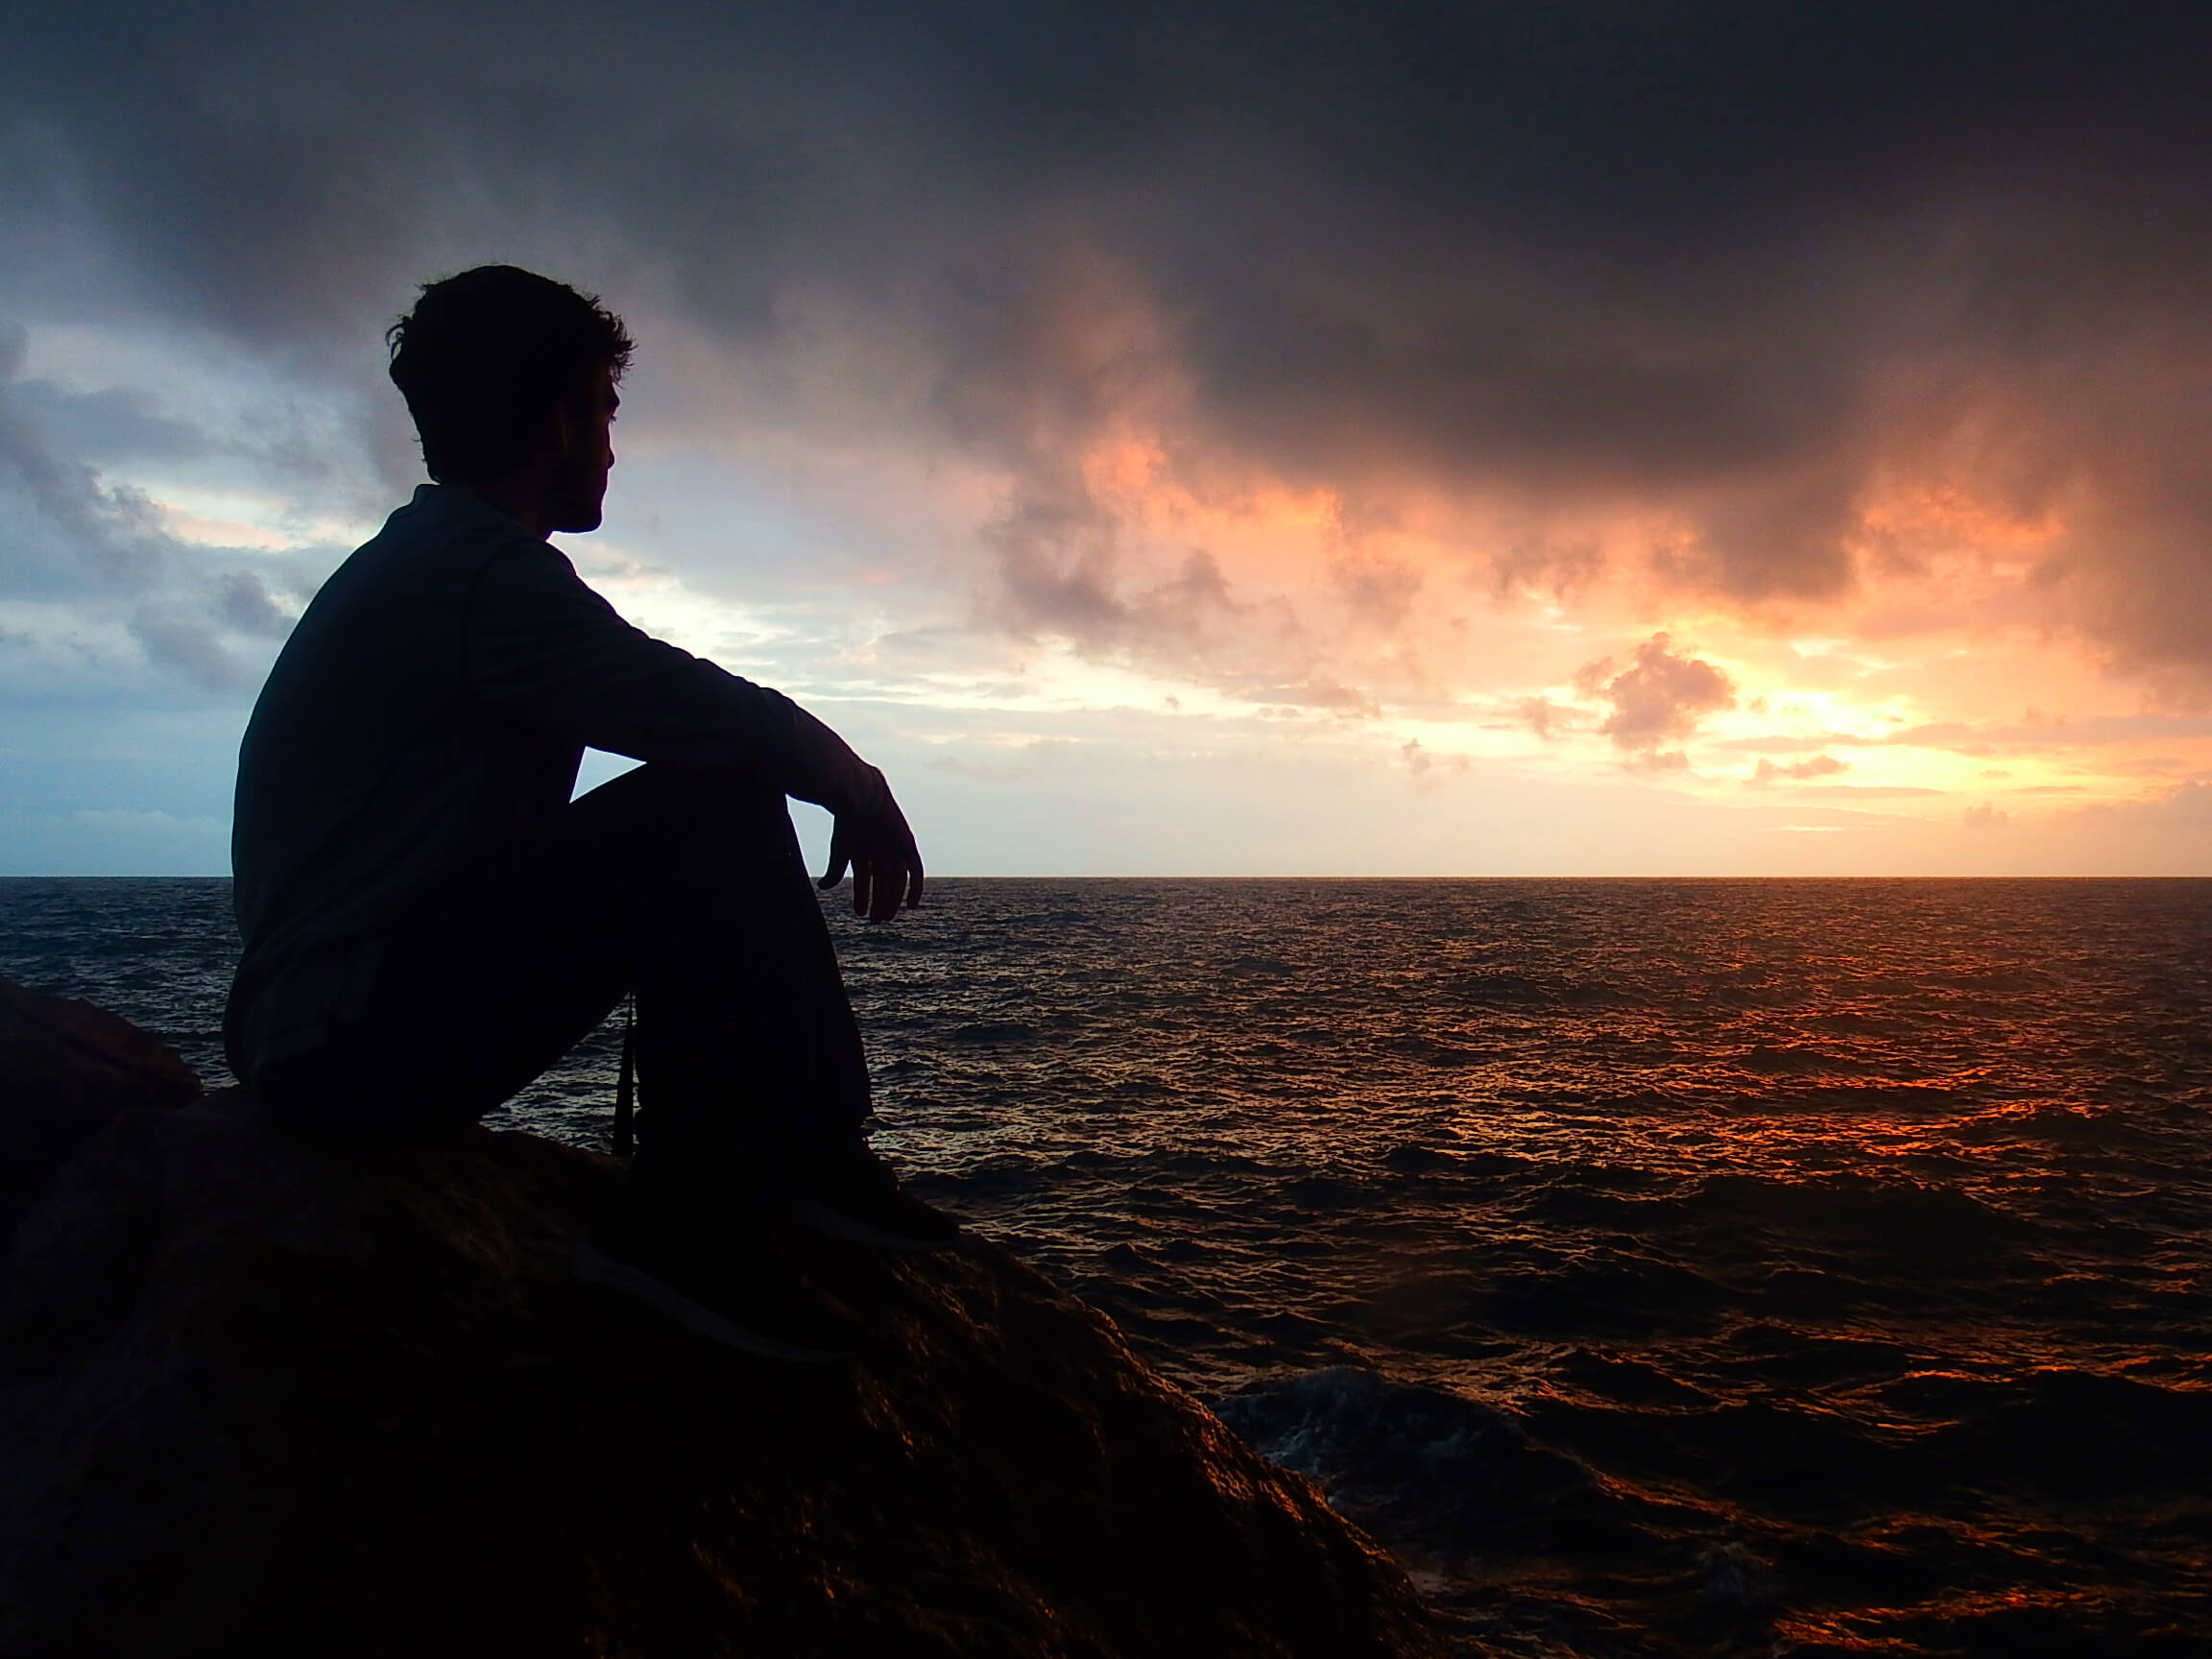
(858, 1197)
(728, 1285)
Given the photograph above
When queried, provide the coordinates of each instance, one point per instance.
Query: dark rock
(66, 1070)
(260, 1398)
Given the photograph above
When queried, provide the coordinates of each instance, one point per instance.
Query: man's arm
(547, 647)
(870, 833)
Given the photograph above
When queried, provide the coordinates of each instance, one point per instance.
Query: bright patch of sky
(1292, 709)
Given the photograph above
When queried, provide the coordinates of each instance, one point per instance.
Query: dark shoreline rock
(66, 1070)
(258, 1398)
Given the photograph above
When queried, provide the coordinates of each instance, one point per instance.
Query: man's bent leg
(474, 994)
(751, 1071)
(749, 1062)
(754, 1090)
(686, 886)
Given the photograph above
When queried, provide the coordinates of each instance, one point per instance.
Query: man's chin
(578, 523)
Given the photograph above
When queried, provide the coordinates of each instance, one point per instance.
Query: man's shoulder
(442, 538)
(420, 568)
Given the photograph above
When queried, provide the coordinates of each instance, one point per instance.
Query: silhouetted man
(430, 922)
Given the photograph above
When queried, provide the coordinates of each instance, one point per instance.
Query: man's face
(589, 457)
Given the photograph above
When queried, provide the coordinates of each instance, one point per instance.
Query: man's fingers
(834, 871)
(880, 885)
(886, 866)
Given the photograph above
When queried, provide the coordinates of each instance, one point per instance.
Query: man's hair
(485, 354)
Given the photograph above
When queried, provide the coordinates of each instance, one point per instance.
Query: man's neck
(521, 499)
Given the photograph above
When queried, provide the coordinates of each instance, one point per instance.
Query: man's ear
(563, 429)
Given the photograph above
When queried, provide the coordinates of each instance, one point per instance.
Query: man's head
(510, 375)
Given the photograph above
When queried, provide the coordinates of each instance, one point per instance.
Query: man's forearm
(825, 770)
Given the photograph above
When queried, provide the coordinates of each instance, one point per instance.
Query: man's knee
(672, 823)
(672, 798)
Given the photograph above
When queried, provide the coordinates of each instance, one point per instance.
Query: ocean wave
(1448, 1473)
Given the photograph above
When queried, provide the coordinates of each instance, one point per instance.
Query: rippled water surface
(1659, 1267)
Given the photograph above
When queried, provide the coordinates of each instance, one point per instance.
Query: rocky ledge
(258, 1398)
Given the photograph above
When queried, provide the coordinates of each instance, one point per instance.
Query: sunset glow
(1355, 529)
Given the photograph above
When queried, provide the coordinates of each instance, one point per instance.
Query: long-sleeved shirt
(431, 706)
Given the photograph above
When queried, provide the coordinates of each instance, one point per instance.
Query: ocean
(1658, 1267)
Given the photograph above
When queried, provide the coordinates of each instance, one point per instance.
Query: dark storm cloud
(1731, 261)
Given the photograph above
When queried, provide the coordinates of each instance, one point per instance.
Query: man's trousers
(684, 887)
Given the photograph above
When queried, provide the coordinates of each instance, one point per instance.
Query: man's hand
(872, 836)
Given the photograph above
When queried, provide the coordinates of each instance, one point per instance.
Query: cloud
(97, 554)
(1658, 696)
(1543, 716)
(2032, 735)
(1064, 574)
(1694, 296)
(187, 646)
(1246, 355)
(111, 423)
(1426, 766)
(1819, 766)
(66, 530)
(1870, 791)
(242, 601)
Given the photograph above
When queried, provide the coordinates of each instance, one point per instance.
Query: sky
(1201, 438)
